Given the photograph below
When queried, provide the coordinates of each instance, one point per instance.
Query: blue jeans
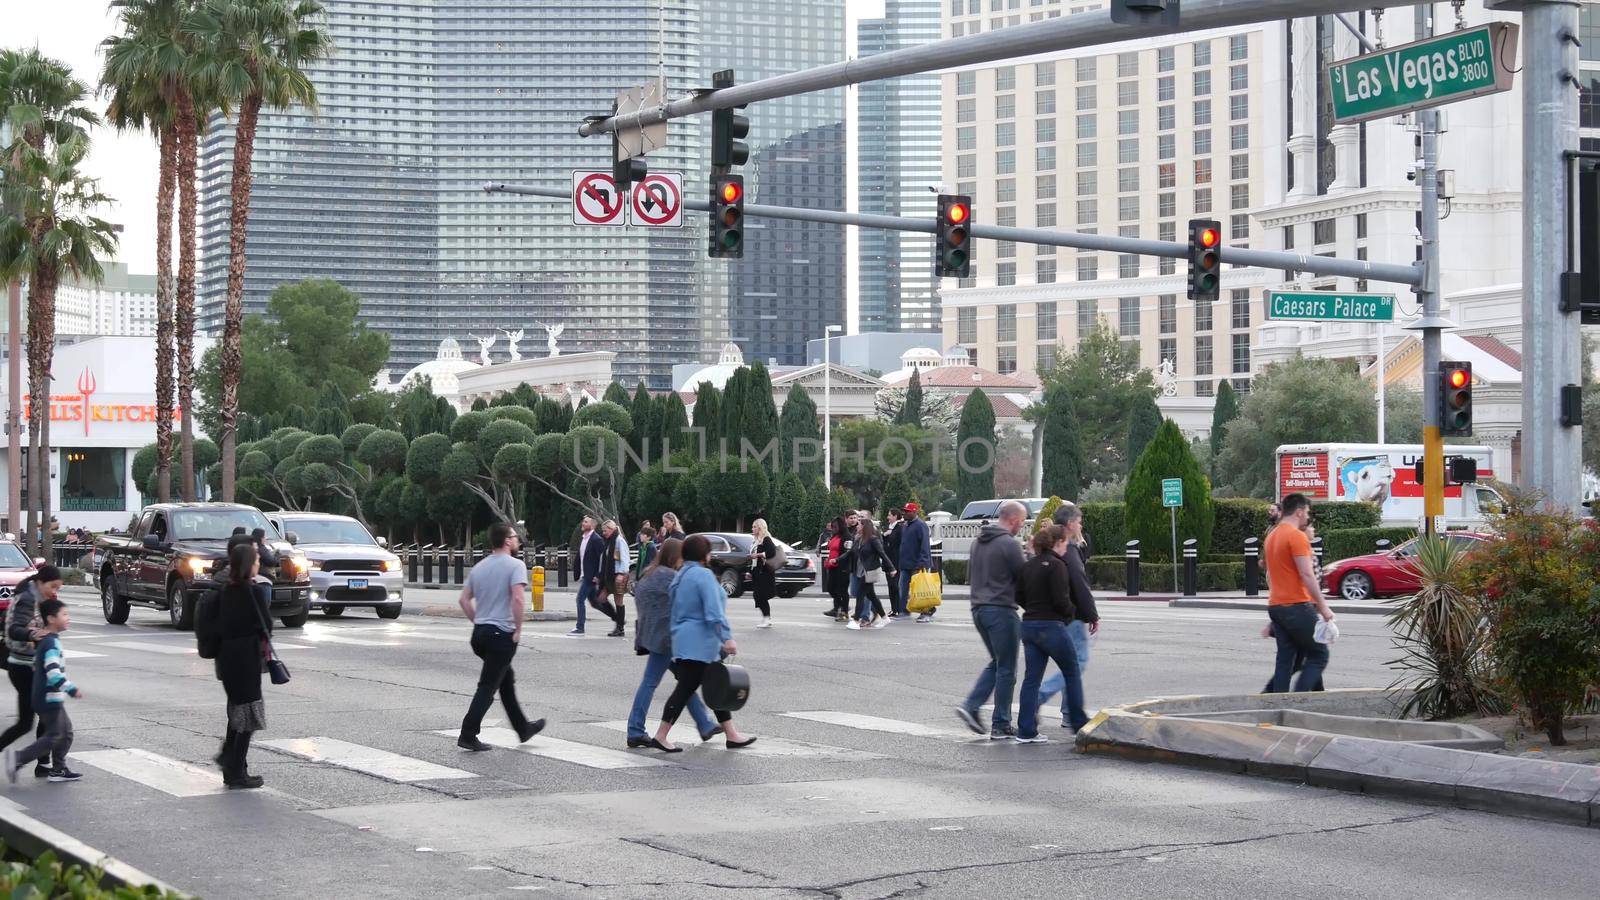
(1042, 642)
(866, 594)
(1000, 630)
(655, 666)
(586, 590)
(1294, 627)
(1079, 632)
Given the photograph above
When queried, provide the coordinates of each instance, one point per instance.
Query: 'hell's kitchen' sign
(80, 407)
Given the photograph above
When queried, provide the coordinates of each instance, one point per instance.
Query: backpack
(208, 624)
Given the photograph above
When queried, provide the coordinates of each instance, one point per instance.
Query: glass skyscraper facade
(423, 103)
(898, 158)
(790, 284)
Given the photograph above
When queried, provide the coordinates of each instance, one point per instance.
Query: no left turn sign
(595, 199)
(658, 200)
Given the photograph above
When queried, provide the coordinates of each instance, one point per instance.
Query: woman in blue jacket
(701, 636)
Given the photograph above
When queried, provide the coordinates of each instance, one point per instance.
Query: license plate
(356, 584)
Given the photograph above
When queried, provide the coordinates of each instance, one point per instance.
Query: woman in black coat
(243, 619)
(763, 578)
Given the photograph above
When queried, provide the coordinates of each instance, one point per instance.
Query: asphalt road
(862, 785)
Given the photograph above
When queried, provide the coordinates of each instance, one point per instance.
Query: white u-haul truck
(1385, 474)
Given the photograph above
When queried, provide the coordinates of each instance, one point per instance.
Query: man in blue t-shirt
(494, 602)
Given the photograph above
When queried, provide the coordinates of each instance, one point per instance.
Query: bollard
(411, 564)
(444, 564)
(561, 574)
(1252, 567)
(461, 558)
(1191, 566)
(1385, 545)
(536, 587)
(1316, 549)
(1132, 576)
(427, 563)
(937, 554)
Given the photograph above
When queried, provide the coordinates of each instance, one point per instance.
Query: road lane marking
(686, 736)
(875, 723)
(565, 751)
(153, 770)
(169, 649)
(372, 761)
(81, 654)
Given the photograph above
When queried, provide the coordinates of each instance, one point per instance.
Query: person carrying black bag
(244, 624)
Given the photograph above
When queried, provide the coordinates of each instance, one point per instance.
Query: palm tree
(144, 70)
(251, 53)
(54, 233)
(41, 106)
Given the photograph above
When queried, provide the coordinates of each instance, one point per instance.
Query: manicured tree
(729, 489)
(671, 424)
(896, 494)
(911, 410)
(616, 393)
(814, 514)
(787, 510)
(1046, 514)
(975, 450)
(1142, 424)
(646, 437)
(1063, 445)
(800, 436)
(707, 415)
(760, 425)
(1168, 456)
(732, 411)
(1224, 411)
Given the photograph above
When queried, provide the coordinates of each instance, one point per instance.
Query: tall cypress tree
(911, 411)
(616, 393)
(1142, 425)
(1223, 413)
(1063, 446)
(760, 425)
(1168, 456)
(975, 449)
(800, 436)
(707, 417)
(672, 419)
(645, 438)
(732, 424)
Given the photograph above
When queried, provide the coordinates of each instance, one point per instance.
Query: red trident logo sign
(86, 387)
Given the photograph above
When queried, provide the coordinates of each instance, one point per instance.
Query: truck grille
(353, 565)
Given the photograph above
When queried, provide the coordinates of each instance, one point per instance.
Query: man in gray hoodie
(995, 562)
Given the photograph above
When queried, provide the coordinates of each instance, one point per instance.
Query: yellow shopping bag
(925, 591)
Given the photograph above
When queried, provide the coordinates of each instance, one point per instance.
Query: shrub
(1238, 519)
(1440, 631)
(1104, 527)
(48, 876)
(1339, 515)
(1337, 545)
(1541, 594)
(1047, 514)
(1109, 573)
(1168, 456)
(953, 571)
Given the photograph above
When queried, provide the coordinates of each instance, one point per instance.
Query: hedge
(1341, 515)
(1343, 544)
(48, 876)
(1104, 526)
(1236, 520)
(954, 571)
(1110, 574)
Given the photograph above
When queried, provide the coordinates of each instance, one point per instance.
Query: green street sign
(1330, 306)
(1172, 492)
(1430, 72)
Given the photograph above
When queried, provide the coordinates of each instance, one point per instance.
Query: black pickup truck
(173, 552)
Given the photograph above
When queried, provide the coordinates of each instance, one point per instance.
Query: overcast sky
(71, 30)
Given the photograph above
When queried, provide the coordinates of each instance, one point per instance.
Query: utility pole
(14, 408)
(1431, 324)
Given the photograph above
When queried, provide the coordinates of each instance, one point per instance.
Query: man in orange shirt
(1294, 599)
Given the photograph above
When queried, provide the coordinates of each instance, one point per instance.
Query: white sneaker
(924, 618)
(11, 765)
(880, 622)
(765, 623)
(854, 625)
(1036, 739)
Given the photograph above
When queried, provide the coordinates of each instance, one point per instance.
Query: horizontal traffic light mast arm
(1086, 29)
(1265, 259)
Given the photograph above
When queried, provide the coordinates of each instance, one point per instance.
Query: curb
(32, 837)
(454, 612)
(1338, 608)
(1178, 730)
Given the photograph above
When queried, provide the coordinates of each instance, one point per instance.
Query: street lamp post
(827, 407)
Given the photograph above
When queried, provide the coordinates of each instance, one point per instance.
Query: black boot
(224, 756)
(237, 774)
(621, 620)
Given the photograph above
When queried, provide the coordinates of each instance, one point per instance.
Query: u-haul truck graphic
(1384, 474)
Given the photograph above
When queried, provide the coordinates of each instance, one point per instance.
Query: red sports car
(1388, 574)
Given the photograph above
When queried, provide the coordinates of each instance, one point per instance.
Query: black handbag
(725, 687)
(276, 670)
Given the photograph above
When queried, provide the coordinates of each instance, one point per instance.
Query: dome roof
(920, 358)
(442, 370)
(729, 360)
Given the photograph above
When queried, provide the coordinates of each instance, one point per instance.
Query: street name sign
(1172, 492)
(1329, 306)
(595, 199)
(1430, 72)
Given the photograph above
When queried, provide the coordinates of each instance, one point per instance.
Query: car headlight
(391, 564)
(194, 566)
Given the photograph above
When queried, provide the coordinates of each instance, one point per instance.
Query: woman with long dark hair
(868, 565)
(243, 620)
(701, 636)
(833, 549)
(653, 626)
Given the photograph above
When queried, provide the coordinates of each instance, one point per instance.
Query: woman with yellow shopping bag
(916, 562)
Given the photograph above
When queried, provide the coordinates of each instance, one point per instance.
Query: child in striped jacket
(50, 692)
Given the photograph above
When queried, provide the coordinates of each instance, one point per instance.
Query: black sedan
(730, 562)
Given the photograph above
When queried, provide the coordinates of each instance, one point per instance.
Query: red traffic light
(732, 191)
(1459, 378)
(957, 213)
(1209, 237)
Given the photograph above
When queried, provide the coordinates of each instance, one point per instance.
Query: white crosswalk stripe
(151, 647)
(153, 770)
(372, 761)
(684, 735)
(566, 751)
(877, 723)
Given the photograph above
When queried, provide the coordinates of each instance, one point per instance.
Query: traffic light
(727, 217)
(1205, 260)
(1455, 398)
(1461, 470)
(727, 147)
(953, 237)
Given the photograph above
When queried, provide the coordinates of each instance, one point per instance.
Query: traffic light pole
(1233, 256)
(1432, 327)
(1077, 31)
